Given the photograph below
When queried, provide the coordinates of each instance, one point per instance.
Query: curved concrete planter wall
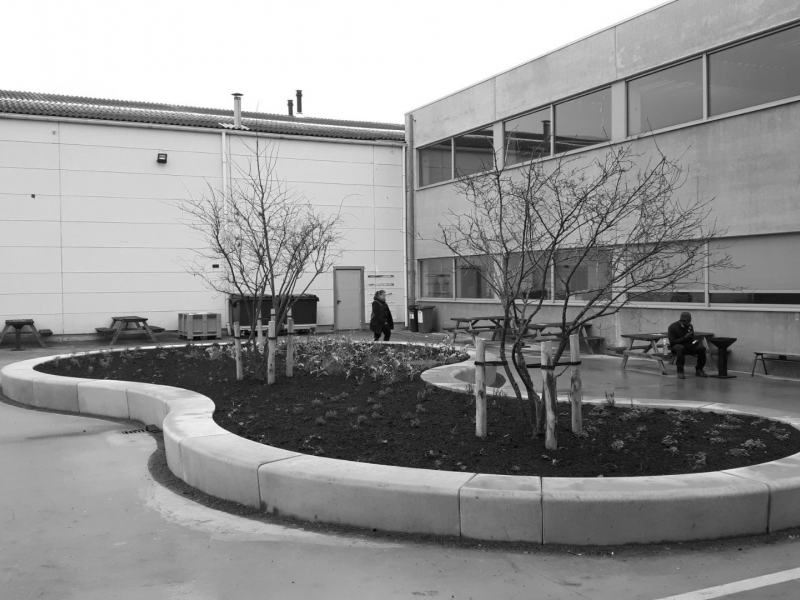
(582, 511)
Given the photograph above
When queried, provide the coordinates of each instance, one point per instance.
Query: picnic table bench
(120, 324)
(651, 350)
(773, 355)
(537, 332)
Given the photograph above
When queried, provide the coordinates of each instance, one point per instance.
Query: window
(584, 121)
(436, 277)
(471, 277)
(756, 72)
(435, 163)
(583, 275)
(536, 282)
(661, 268)
(666, 98)
(474, 152)
(528, 137)
(765, 273)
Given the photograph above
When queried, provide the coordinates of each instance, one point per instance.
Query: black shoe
(681, 375)
(700, 373)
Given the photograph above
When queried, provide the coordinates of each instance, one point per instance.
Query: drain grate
(133, 431)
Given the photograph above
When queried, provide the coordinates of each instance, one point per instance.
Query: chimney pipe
(299, 102)
(291, 108)
(237, 110)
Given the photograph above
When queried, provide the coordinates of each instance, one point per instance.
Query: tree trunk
(237, 344)
(271, 344)
(290, 347)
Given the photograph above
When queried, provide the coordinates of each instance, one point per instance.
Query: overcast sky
(371, 60)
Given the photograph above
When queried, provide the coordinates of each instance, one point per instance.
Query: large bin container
(425, 318)
(199, 325)
(413, 326)
(304, 311)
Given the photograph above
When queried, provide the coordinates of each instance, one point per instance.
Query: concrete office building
(90, 217)
(716, 82)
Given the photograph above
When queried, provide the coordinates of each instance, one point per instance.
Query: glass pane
(757, 72)
(436, 277)
(536, 283)
(666, 98)
(470, 277)
(435, 163)
(474, 152)
(584, 121)
(657, 270)
(528, 137)
(584, 277)
(765, 272)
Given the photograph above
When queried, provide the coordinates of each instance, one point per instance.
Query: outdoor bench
(773, 355)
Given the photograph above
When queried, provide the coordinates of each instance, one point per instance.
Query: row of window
(752, 73)
(762, 275)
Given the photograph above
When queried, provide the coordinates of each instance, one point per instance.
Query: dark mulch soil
(413, 424)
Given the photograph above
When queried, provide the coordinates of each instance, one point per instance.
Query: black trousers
(386, 331)
(681, 351)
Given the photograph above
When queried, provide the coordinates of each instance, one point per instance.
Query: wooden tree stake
(259, 335)
(549, 381)
(575, 391)
(271, 344)
(480, 388)
(290, 347)
(237, 343)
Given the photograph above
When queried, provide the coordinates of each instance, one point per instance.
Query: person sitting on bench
(683, 342)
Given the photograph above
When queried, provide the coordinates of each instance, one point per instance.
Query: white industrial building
(90, 220)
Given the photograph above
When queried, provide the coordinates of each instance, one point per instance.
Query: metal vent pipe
(291, 108)
(299, 102)
(237, 110)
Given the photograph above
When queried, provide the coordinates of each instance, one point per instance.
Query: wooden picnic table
(119, 324)
(651, 340)
(472, 326)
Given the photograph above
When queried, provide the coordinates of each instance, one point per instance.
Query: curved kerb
(547, 510)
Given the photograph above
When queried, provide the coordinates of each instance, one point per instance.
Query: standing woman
(381, 321)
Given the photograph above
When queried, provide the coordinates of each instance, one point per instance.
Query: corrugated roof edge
(57, 105)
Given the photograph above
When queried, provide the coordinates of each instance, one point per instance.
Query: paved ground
(83, 516)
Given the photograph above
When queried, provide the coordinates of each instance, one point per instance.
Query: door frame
(362, 307)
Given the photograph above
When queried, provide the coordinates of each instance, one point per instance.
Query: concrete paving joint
(581, 511)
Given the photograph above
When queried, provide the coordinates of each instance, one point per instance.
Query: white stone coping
(546, 510)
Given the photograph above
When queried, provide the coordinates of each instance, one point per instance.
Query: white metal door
(348, 296)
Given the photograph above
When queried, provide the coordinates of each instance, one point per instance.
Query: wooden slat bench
(773, 355)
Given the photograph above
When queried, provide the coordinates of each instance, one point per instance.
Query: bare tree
(270, 240)
(605, 231)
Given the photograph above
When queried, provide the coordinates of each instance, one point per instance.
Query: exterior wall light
(162, 158)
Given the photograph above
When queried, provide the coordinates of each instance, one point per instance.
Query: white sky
(371, 60)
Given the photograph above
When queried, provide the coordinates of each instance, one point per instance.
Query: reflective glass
(471, 277)
(536, 282)
(584, 121)
(666, 98)
(528, 137)
(436, 277)
(764, 273)
(583, 275)
(474, 152)
(435, 163)
(753, 73)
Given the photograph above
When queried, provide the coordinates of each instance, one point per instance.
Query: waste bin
(425, 318)
(412, 318)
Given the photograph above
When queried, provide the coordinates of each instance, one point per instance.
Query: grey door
(348, 297)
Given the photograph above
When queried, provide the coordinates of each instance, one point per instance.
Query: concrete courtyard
(88, 513)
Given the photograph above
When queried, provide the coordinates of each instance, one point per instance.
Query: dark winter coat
(380, 314)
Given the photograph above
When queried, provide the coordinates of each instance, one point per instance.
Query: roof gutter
(208, 130)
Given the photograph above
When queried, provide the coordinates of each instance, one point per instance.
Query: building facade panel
(21, 207)
(129, 135)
